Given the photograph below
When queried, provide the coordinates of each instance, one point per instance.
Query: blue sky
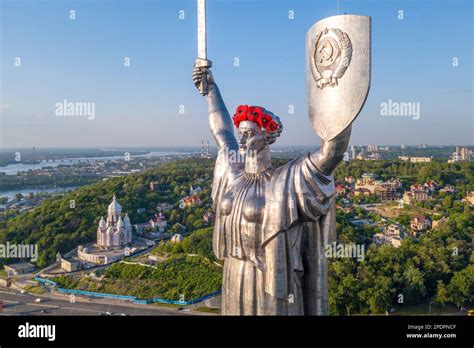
(82, 60)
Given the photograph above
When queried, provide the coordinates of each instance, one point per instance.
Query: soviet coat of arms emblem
(331, 56)
(338, 72)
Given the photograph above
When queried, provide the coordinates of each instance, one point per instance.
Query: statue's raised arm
(331, 152)
(220, 121)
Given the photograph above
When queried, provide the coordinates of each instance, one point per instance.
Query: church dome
(114, 207)
(120, 223)
(126, 220)
(102, 223)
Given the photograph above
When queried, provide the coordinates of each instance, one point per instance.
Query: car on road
(108, 313)
(124, 314)
(470, 312)
(38, 300)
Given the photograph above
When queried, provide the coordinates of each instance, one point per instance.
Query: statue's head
(257, 127)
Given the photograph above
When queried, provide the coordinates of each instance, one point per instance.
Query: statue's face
(251, 137)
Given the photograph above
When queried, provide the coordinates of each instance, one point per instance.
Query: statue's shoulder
(301, 167)
(290, 165)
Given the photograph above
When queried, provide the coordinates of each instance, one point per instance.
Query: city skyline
(63, 60)
(214, 147)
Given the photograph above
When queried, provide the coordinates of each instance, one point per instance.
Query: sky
(153, 102)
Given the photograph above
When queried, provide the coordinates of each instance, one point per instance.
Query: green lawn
(182, 278)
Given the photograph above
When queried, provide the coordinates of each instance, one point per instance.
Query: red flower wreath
(254, 114)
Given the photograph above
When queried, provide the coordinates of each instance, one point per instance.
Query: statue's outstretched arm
(220, 121)
(331, 152)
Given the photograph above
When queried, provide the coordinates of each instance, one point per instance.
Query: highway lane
(24, 304)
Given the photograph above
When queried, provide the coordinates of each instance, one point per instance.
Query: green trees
(413, 285)
(378, 296)
(178, 278)
(61, 223)
(344, 287)
(460, 174)
(460, 289)
(438, 267)
(441, 296)
(199, 242)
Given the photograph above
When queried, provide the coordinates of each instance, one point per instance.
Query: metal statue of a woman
(272, 224)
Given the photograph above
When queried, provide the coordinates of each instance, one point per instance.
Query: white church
(114, 232)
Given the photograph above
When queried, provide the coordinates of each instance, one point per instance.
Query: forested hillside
(438, 267)
(62, 223)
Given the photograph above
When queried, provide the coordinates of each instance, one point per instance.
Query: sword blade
(201, 23)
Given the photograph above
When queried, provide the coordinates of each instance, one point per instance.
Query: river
(14, 168)
(10, 194)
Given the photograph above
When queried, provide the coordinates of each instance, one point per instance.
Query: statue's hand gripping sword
(201, 60)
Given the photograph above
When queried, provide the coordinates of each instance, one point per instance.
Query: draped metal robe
(271, 229)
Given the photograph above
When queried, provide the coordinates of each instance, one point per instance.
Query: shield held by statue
(338, 72)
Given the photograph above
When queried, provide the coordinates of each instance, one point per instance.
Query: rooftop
(19, 266)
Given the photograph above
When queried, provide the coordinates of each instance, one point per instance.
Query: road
(24, 304)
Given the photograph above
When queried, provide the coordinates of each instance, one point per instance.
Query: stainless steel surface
(269, 222)
(272, 225)
(338, 62)
(331, 152)
(202, 60)
(201, 24)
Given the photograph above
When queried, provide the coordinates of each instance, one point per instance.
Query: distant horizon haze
(212, 146)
